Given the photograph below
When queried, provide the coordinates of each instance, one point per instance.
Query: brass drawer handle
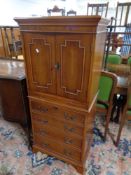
(46, 145)
(73, 118)
(41, 121)
(68, 140)
(67, 153)
(41, 109)
(69, 129)
(42, 132)
(57, 66)
(67, 117)
(54, 107)
(44, 122)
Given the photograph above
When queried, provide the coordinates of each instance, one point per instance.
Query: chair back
(114, 59)
(107, 85)
(97, 9)
(129, 60)
(12, 44)
(107, 89)
(123, 11)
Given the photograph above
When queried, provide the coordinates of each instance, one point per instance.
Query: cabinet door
(40, 61)
(73, 56)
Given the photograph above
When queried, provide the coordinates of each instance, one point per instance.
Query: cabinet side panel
(96, 66)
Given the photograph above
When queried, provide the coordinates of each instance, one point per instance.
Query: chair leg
(107, 123)
(122, 122)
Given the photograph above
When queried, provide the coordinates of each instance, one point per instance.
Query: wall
(25, 8)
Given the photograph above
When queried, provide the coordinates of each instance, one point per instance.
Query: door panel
(73, 55)
(40, 54)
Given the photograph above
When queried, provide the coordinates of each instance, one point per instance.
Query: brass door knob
(57, 66)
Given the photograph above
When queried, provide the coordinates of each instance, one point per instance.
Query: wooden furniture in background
(13, 93)
(119, 69)
(123, 11)
(97, 9)
(123, 104)
(10, 42)
(55, 11)
(71, 12)
(2, 48)
(126, 112)
(63, 57)
(107, 89)
(116, 44)
(119, 32)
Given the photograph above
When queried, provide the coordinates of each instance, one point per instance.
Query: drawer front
(53, 132)
(61, 112)
(50, 121)
(57, 147)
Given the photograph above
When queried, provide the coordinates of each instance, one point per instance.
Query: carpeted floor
(104, 158)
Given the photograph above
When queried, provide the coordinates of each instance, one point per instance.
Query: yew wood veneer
(63, 58)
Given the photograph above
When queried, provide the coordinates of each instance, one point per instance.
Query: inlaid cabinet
(63, 58)
(59, 64)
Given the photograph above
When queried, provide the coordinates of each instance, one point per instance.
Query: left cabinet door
(40, 62)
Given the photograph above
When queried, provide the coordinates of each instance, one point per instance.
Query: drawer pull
(41, 121)
(57, 66)
(69, 129)
(67, 117)
(46, 145)
(43, 133)
(41, 109)
(54, 107)
(68, 140)
(67, 153)
(44, 122)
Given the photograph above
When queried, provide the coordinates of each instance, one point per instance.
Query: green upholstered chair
(129, 60)
(126, 113)
(114, 59)
(107, 87)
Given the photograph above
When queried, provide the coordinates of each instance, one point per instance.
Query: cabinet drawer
(50, 121)
(54, 146)
(61, 112)
(52, 132)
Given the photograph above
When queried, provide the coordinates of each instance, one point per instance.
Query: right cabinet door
(73, 54)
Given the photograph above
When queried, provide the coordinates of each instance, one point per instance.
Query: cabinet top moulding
(77, 24)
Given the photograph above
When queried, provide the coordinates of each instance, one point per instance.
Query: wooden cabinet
(59, 64)
(13, 92)
(63, 58)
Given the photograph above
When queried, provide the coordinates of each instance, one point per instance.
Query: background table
(13, 92)
(119, 69)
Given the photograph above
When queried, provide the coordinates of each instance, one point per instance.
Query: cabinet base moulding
(77, 165)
